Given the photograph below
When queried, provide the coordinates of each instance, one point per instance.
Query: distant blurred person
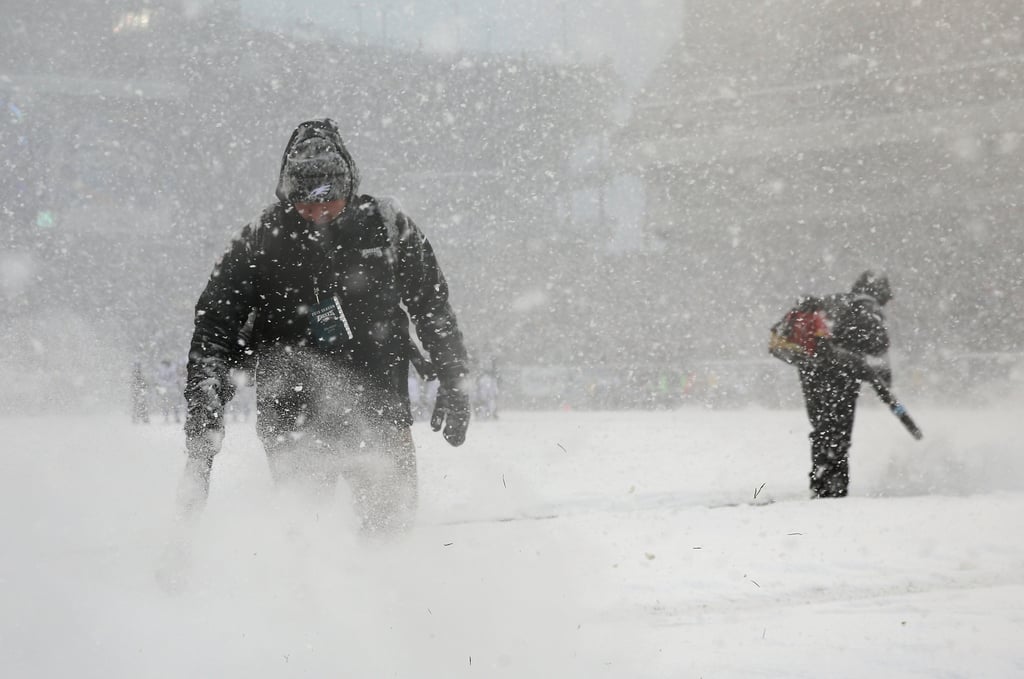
(168, 389)
(139, 395)
(487, 395)
(838, 341)
(329, 280)
(416, 405)
(421, 373)
(429, 393)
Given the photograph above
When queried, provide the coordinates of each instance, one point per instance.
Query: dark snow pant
(831, 399)
(333, 427)
(380, 468)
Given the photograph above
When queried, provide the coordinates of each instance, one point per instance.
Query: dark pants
(831, 398)
(379, 467)
(319, 423)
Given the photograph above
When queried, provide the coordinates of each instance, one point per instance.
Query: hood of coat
(874, 284)
(316, 166)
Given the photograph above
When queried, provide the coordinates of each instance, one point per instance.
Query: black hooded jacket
(859, 343)
(381, 269)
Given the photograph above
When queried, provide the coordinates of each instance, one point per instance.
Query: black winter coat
(860, 324)
(859, 337)
(375, 260)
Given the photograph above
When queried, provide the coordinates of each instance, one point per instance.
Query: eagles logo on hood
(317, 168)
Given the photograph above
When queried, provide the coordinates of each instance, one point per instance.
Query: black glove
(452, 409)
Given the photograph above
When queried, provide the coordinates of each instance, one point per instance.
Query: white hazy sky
(634, 34)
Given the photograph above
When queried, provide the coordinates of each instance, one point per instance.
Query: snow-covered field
(624, 557)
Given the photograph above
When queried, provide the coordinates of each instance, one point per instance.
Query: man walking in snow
(856, 350)
(328, 280)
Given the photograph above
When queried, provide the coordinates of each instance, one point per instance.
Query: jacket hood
(316, 166)
(874, 284)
